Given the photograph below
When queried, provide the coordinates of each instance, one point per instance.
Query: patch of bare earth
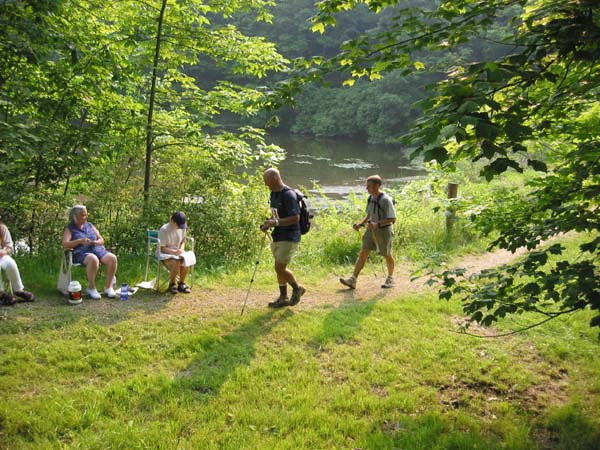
(208, 302)
(549, 389)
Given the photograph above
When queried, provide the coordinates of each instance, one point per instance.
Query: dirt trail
(208, 302)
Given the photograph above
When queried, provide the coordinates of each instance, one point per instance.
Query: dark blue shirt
(81, 251)
(286, 203)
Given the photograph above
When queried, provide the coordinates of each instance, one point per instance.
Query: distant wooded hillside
(376, 112)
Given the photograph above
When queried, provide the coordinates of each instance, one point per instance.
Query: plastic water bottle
(124, 295)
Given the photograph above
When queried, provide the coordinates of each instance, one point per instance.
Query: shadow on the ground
(206, 373)
(345, 321)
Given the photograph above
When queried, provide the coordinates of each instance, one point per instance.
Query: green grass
(379, 373)
(349, 370)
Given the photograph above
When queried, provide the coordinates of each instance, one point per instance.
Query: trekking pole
(262, 246)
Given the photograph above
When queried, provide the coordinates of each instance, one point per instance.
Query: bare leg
(91, 264)
(389, 259)
(284, 275)
(174, 269)
(360, 262)
(183, 271)
(111, 263)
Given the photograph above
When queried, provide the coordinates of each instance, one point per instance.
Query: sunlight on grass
(380, 373)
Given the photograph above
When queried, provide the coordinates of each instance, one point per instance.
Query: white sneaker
(93, 293)
(110, 292)
(389, 282)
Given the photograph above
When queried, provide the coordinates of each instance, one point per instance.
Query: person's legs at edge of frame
(9, 266)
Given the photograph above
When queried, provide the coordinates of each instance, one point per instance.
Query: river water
(339, 167)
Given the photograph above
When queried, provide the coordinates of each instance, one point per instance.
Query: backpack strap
(377, 207)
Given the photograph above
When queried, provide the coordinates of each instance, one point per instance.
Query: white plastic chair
(65, 275)
(66, 268)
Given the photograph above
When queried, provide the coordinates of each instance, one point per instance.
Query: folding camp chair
(152, 247)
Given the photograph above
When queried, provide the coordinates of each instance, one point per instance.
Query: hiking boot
(389, 282)
(350, 282)
(296, 295)
(280, 302)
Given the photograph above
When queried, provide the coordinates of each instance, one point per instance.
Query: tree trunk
(149, 126)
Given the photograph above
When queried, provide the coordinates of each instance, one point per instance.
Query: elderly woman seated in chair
(88, 249)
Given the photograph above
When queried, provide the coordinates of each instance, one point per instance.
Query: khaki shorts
(384, 236)
(283, 251)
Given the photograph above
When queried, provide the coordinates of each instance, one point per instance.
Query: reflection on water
(340, 166)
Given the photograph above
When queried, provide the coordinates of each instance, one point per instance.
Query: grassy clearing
(343, 370)
(364, 369)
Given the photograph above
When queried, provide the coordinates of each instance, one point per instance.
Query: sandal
(172, 288)
(7, 299)
(182, 287)
(24, 296)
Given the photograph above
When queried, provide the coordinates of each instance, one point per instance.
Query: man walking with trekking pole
(379, 235)
(285, 217)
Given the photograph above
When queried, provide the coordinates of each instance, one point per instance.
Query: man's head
(374, 184)
(179, 219)
(272, 179)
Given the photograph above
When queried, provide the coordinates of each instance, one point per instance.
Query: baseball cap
(179, 218)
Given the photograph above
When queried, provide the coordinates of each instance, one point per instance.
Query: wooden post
(450, 212)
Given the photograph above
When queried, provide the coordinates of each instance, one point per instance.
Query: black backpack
(305, 214)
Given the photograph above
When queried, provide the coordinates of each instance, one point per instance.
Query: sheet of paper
(189, 258)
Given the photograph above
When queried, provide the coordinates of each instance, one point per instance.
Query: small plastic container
(74, 293)
(124, 294)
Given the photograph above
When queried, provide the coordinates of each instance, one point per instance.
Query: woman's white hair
(76, 211)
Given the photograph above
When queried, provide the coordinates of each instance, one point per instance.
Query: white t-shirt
(171, 238)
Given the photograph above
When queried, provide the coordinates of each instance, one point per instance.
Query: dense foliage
(96, 107)
(378, 111)
(535, 107)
